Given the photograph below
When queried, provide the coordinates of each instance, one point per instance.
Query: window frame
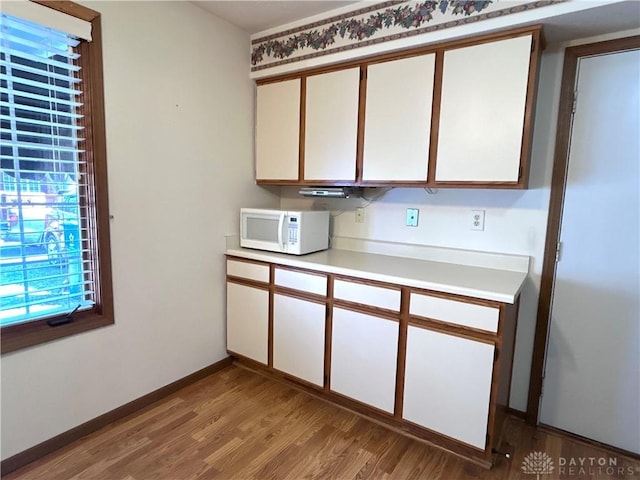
(35, 332)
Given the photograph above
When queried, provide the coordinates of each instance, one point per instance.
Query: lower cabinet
(364, 353)
(448, 349)
(298, 338)
(447, 385)
(248, 321)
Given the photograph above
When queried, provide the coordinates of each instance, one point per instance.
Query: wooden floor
(238, 425)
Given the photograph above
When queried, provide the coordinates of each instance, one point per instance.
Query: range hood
(330, 192)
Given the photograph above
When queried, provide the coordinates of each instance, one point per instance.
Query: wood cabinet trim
(348, 400)
(303, 123)
(455, 330)
(245, 260)
(435, 117)
(247, 282)
(297, 380)
(366, 309)
(277, 182)
(369, 283)
(270, 317)
(457, 298)
(328, 332)
(458, 443)
(493, 403)
(300, 270)
(529, 110)
(362, 107)
(402, 351)
(300, 294)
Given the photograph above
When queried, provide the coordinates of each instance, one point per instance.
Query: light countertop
(473, 281)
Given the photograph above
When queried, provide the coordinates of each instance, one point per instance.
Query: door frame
(556, 202)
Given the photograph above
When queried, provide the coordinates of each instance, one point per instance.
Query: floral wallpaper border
(350, 33)
(326, 21)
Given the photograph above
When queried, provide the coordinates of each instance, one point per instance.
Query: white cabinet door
(364, 351)
(484, 90)
(248, 321)
(331, 127)
(278, 130)
(448, 384)
(397, 123)
(298, 338)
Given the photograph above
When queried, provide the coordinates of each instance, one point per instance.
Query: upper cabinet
(331, 126)
(458, 114)
(482, 112)
(397, 122)
(278, 130)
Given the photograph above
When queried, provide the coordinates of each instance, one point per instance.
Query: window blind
(47, 17)
(45, 240)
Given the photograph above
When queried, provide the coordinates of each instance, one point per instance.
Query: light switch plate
(412, 217)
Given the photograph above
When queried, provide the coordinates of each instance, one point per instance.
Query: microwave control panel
(293, 230)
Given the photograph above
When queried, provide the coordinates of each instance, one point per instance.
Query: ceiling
(259, 15)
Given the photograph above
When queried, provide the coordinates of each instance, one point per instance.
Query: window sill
(29, 334)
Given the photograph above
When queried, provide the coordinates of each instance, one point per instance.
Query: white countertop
(473, 281)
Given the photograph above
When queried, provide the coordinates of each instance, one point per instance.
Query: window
(55, 275)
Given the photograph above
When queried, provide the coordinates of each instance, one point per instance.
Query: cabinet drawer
(306, 282)
(251, 271)
(452, 311)
(371, 295)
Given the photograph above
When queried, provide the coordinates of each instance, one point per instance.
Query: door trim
(558, 185)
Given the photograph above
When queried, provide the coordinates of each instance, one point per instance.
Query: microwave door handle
(280, 229)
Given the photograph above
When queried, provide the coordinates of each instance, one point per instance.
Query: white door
(592, 374)
(447, 384)
(298, 338)
(484, 93)
(364, 353)
(248, 321)
(331, 130)
(397, 125)
(278, 130)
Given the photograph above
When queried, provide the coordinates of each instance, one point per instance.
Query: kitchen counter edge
(457, 279)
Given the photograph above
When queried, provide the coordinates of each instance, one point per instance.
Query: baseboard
(48, 446)
(516, 413)
(588, 441)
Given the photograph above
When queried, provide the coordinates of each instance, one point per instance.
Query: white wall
(179, 107)
(515, 221)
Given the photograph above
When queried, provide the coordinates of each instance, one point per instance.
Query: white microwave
(282, 231)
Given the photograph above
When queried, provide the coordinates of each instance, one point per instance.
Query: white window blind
(45, 241)
(47, 17)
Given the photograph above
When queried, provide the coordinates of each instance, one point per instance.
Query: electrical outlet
(477, 220)
(412, 217)
(360, 215)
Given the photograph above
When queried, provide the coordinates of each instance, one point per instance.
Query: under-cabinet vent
(330, 192)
